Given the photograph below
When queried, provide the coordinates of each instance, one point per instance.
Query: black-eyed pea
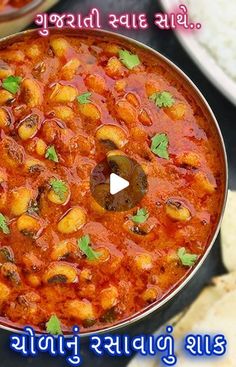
(112, 136)
(34, 51)
(28, 127)
(63, 93)
(177, 211)
(40, 147)
(5, 118)
(145, 118)
(10, 272)
(33, 280)
(120, 85)
(132, 99)
(152, 87)
(104, 254)
(5, 97)
(59, 192)
(142, 230)
(4, 292)
(60, 46)
(62, 250)
(13, 153)
(64, 113)
(28, 225)
(34, 166)
(21, 198)
(126, 112)
(60, 272)
(114, 68)
(96, 83)
(109, 297)
(98, 209)
(138, 133)
(72, 221)
(6, 254)
(189, 159)
(204, 183)
(5, 70)
(31, 92)
(119, 162)
(111, 49)
(9, 56)
(89, 111)
(143, 262)
(150, 294)
(177, 111)
(55, 198)
(85, 275)
(172, 257)
(80, 310)
(70, 69)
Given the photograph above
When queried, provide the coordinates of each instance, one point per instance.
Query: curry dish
(66, 103)
(9, 5)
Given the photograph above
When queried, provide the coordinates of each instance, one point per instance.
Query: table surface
(167, 44)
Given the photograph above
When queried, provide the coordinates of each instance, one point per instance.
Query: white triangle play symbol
(117, 184)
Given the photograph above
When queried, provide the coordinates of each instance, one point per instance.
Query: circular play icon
(118, 183)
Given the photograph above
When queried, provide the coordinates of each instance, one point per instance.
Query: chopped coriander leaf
(186, 259)
(128, 59)
(59, 187)
(3, 224)
(51, 154)
(84, 98)
(141, 216)
(162, 99)
(53, 326)
(84, 245)
(159, 145)
(12, 84)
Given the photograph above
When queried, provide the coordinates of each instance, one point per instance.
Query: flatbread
(221, 319)
(228, 233)
(214, 311)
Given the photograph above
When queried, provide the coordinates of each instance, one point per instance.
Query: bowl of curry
(16, 15)
(64, 259)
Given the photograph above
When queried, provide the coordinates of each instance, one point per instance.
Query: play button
(118, 183)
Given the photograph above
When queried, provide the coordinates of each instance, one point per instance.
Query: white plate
(203, 58)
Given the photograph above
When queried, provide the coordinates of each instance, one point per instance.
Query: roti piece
(212, 312)
(228, 233)
(220, 319)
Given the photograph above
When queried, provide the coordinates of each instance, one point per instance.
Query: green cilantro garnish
(59, 187)
(12, 84)
(162, 99)
(141, 216)
(84, 98)
(128, 59)
(51, 154)
(159, 145)
(3, 224)
(53, 326)
(186, 258)
(84, 245)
